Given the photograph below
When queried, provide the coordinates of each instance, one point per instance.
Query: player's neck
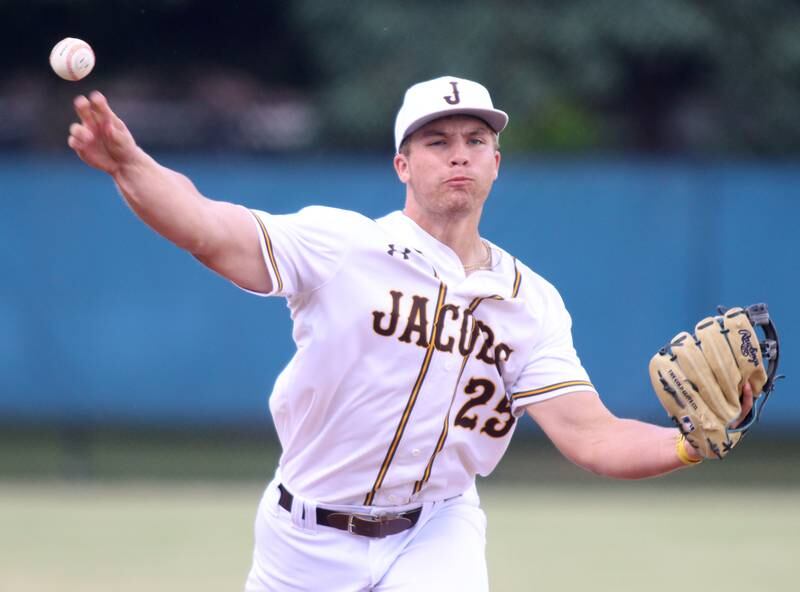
(458, 233)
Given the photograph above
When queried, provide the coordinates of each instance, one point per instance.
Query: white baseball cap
(448, 95)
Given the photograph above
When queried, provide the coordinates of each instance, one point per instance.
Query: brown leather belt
(360, 524)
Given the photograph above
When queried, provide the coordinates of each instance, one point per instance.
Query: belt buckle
(365, 518)
(369, 518)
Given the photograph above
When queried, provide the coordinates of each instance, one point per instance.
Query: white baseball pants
(444, 551)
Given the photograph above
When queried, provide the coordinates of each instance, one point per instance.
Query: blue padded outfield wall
(102, 321)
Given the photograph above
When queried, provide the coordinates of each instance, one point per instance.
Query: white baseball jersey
(409, 375)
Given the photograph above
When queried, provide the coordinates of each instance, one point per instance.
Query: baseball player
(420, 345)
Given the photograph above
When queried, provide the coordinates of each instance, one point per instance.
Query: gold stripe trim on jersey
(412, 399)
(446, 427)
(551, 388)
(517, 280)
(443, 436)
(270, 252)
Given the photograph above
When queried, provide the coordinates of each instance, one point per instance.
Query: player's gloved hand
(700, 379)
(101, 139)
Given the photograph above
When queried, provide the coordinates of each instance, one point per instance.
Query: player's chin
(459, 201)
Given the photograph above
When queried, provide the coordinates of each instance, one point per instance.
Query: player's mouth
(458, 181)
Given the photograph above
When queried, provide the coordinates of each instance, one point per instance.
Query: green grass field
(167, 536)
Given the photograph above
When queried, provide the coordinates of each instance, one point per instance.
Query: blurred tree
(722, 76)
(659, 76)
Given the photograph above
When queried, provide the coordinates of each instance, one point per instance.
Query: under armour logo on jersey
(392, 250)
(455, 99)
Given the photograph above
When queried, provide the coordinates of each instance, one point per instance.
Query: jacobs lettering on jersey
(417, 322)
(377, 316)
(415, 329)
(455, 99)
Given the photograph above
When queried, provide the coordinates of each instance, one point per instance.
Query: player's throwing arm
(221, 235)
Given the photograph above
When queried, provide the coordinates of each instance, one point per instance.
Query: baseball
(72, 59)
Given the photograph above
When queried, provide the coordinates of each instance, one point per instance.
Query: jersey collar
(441, 256)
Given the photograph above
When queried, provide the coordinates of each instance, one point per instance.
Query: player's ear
(496, 163)
(401, 166)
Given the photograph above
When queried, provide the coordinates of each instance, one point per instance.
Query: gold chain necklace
(485, 264)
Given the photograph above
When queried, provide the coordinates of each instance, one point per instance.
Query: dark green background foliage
(720, 77)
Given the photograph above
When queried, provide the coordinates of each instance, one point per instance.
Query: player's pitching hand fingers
(82, 134)
(73, 143)
(102, 110)
(113, 127)
(79, 141)
(84, 110)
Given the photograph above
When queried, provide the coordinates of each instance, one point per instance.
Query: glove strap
(683, 455)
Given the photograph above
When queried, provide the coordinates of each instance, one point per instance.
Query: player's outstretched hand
(101, 139)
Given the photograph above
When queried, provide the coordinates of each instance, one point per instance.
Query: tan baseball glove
(699, 378)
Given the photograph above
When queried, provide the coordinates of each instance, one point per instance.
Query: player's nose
(458, 156)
